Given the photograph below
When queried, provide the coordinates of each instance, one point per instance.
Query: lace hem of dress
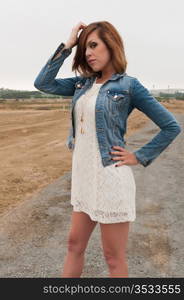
(104, 217)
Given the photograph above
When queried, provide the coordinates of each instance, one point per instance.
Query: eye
(93, 45)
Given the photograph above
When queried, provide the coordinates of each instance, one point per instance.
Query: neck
(104, 77)
(107, 73)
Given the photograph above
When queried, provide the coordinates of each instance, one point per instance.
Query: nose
(88, 53)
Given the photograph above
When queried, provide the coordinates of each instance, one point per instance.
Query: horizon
(151, 88)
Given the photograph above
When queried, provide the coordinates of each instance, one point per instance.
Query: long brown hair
(112, 39)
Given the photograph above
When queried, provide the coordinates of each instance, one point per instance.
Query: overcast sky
(152, 30)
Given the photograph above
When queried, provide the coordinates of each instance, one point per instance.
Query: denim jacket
(116, 99)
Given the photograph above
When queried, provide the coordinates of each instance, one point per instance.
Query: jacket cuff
(66, 52)
(143, 161)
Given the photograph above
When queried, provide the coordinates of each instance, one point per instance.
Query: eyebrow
(90, 42)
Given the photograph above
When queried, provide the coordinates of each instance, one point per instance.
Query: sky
(152, 31)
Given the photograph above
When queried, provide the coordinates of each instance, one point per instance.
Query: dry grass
(32, 147)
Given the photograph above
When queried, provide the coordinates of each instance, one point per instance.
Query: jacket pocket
(117, 101)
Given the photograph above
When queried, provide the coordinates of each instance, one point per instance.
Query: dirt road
(32, 146)
(33, 152)
(33, 234)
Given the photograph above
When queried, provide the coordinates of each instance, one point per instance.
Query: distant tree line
(177, 95)
(19, 94)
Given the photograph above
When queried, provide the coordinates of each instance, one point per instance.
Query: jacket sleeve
(165, 120)
(46, 79)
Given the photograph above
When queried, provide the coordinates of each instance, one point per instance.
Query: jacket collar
(117, 75)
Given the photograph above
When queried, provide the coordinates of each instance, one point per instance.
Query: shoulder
(135, 83)
(131, 79)
(128, 81)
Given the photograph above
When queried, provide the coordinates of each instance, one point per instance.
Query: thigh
(114, 238)
(81, 227)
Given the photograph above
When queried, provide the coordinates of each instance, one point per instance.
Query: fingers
(123, 158)
(118, 148)
(126, 159)
(121, 164)
(73, 39)
(83, 24)
(80, 25)
(118, 158)
(119, 152)
(122, 155)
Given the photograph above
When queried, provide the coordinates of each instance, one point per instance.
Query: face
(97, 54)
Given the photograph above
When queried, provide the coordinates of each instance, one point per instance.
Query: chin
(96, 70)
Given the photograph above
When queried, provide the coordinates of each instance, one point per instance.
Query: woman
(103, 97)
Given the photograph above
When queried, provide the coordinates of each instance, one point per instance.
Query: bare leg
(114, 240)
(81, 228)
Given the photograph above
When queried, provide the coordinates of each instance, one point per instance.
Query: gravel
(33, 236)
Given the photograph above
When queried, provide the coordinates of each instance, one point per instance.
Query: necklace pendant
(82, 130)
(82, 118)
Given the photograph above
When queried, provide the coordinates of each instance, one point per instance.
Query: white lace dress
(106, 194)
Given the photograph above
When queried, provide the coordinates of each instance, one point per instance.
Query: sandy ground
(34, 234)
(32, 147)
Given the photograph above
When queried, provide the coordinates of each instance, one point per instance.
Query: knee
(113, 259)
(75, 245)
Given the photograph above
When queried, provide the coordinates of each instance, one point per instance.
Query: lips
(91, 61)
